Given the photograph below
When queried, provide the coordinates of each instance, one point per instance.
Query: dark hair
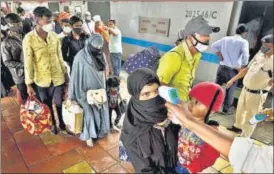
(12, 18)
(112, 20)
(64, 21)
(74, 19)
(20, 10)
(242, 28)
(42, 11)
(113, 82)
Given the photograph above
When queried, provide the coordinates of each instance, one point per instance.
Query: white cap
(97, 18)
(87, 13)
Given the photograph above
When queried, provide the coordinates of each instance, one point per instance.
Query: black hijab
(94, 49)
(141, 116)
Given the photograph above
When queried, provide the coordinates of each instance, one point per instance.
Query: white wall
(127, 15)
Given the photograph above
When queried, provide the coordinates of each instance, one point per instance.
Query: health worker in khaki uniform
(258, 80)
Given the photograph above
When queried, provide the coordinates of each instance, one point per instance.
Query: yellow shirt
(43, 60)
(177, 69)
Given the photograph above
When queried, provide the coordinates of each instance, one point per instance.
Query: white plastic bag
(73, 116)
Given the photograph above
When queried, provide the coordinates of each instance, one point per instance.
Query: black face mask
(77, 30)
(17, 29)
(87, 20)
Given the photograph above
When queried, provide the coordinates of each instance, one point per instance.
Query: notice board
(156, 26)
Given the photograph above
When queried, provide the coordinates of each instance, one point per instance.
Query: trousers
(249, 104)
(224, 74)
(55, 94)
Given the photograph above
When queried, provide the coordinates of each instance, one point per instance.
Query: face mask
(265, 49)
(17, 29)
(200, 46)
(77, 30)
(47, 28)
(88, 18)
(67, 29)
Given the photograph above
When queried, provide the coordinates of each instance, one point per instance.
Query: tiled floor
(47, 153)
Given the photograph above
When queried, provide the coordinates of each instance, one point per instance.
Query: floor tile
(110, 141)
(115, 169)
(23, 136)
(128, 166)
(220, 164)
(5, 133)
(66, 145)
(228, 169)
(57, 164)
(97, 157)
(7, 103)
(33, 150)
(210, 170)
(14, 125)
(10, 155)
(82, 167)
(49, 138)
(16, 168)
(15, 110)
(114, 153)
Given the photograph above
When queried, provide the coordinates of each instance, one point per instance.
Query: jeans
(116, 63)
(55, 94)
(224, 74)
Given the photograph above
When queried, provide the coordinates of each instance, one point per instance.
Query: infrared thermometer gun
(171, 95)
(257, 118)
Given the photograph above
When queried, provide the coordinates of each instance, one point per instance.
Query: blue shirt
(235, 51)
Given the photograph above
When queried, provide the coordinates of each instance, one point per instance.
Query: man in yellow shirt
(177, 67)
(44, 63)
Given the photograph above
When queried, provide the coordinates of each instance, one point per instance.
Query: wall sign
(157, 26)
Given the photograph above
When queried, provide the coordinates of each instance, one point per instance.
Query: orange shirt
(63, 15)
(104, 33)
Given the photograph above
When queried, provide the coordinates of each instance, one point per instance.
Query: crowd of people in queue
(81, 54)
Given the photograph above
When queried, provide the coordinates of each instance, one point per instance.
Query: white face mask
(67, 29)
(88, 18)
(47, 27)
(201, 47)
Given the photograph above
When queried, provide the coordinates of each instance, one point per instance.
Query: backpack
(147, 58)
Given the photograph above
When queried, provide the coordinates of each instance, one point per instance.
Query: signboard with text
(157, 26)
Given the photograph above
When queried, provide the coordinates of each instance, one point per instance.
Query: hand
(108, 72)
(106, 28)
(68, 102)
(229, 84)
(270, 83)
(30, 90)
(181, 113)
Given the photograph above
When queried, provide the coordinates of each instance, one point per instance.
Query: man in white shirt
(65, 27)
(233, 52)
(115, 46)
(89, 24)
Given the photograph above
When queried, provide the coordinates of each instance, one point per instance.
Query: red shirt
(193, 153)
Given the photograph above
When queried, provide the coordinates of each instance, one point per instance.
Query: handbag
(35, 117)
(73, 117)
(96, 97)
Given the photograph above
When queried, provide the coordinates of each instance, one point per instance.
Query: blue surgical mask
(265, 49)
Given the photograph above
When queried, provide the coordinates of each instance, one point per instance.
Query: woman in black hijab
(146, 133)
